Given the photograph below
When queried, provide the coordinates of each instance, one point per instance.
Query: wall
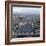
(2, 24)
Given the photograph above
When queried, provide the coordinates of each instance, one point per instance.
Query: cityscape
(24, 23)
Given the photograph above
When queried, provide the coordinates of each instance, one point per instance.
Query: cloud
(26, 10)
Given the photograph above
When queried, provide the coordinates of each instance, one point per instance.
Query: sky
(26, 10)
